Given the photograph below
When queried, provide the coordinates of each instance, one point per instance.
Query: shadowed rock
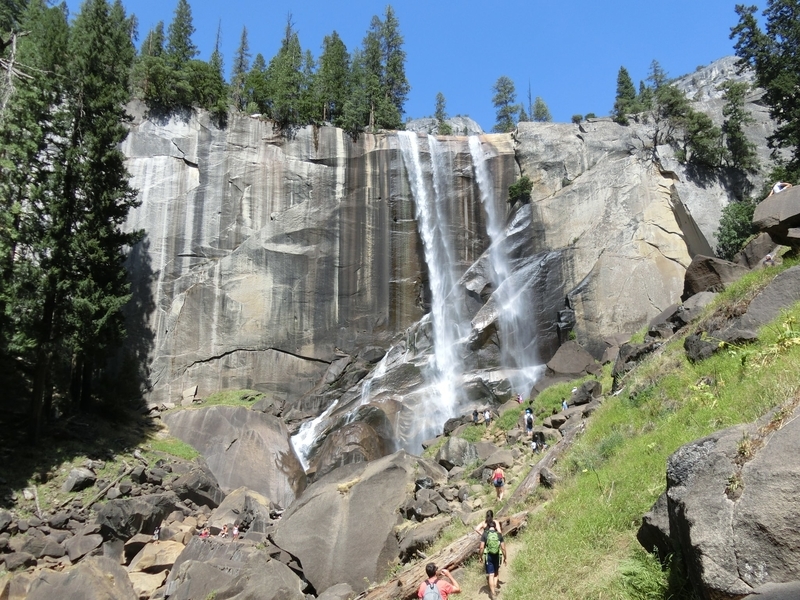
(779, 216)
(709, 274)
(243, 448)
(360, 503)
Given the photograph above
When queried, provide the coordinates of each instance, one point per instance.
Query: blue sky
(569, 50)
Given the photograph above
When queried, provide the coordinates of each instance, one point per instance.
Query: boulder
(699, 348)
(81, 545)
(154, 558)
(96, 578)
(419, 537)
(752, 255)
(124, 518)
(782, 292)
(15, 560)
(456, 452)
(709, 274)
(79, 479)
(586, 392)
(231, 570)
(779, 216)
(243, 448)
(571, 359)
(146, 584)
(249, 509)
(200, 486)
(5, 520)
(369, 494)
(737, 538)
(353, 443)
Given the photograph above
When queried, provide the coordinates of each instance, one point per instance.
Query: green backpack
(492, 542)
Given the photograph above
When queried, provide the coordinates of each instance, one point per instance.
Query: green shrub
(521, 190)
(735, 228)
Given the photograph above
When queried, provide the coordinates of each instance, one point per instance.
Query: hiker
(564, 405)
(205, 533)
(487, 417)
(475, 415)
(434, 588)
(779, 187)
(235, 531)
(769, 261)
(224, 532)
(519, 399)
(492, 547)
(157, 533)
(489, 519)
(529, 422)
(498, 480)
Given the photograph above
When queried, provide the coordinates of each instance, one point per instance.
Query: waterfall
(513, 294)
(448, 323)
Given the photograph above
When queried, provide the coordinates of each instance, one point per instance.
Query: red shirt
(445, 588)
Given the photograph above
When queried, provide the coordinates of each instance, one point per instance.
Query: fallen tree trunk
(531, 481)
(405, 585)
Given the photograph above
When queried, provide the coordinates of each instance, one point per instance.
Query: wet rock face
(263, 255)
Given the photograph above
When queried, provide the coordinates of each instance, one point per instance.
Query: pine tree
(285, 80)
(373, 72)
(256, 89)
(175, 87)
(334, 71)
(440, 114)
(625, 102)
(395, 84)
(540, 111)
(774, 55)
(241, 66)
(357, 109)
(741, 151)
(504, 99)
(26, 177)
(96, 194)
(208, 82)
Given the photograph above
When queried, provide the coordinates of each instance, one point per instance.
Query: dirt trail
(473, 579)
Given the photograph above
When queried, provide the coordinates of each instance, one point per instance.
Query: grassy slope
(583, 544)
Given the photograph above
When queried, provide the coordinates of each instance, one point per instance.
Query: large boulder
(243, 448)
(572, 359)
(155, 558)
(232, 569)
(779, 216)
(456, 452)
(249, 509)
(360, 503)
(96, 578)
(125, 517)
(709, 274)
(200, 486)
(353, 443)
(734, 519)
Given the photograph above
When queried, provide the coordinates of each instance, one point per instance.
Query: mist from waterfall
(513, 297)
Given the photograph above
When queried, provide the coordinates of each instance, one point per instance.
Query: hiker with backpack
(493, 548)
(434, 588)
(498, 480)
(529, 422)
(489, 519)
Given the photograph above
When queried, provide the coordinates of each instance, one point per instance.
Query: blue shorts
(492, 563)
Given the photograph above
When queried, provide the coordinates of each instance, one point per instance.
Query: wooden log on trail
(405, 584)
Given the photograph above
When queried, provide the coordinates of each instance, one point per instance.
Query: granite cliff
(272, 262)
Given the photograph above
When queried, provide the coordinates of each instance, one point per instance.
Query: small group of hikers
(485, 413)
(493, 551)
